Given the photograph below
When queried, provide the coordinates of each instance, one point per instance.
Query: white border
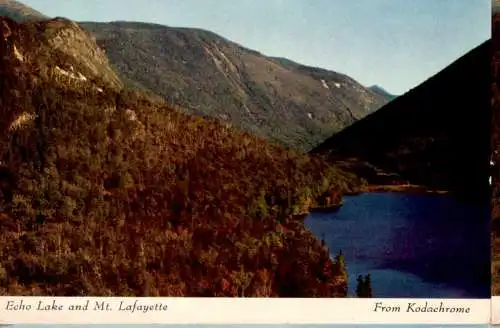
(246, 311)
(495, 310)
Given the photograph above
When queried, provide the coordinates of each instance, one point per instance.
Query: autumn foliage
(109, 193)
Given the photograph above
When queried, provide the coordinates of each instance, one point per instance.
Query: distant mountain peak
(382, 92)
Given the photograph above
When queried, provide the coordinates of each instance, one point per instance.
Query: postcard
(156, 156)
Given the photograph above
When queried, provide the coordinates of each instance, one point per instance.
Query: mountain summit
(19, 12)
(382, 92)
(59, 46)
(57, 50)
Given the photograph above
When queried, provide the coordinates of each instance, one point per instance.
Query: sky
(392, 43)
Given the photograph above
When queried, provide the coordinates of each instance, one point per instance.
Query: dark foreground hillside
(104, 192)
(436, 135)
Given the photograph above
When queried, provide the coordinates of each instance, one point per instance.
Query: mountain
(436, 135)
(285, 102)
(108, 192)
(382, 92)
(18, 11)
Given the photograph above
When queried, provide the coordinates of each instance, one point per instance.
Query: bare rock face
(56, 49)
(68, 38)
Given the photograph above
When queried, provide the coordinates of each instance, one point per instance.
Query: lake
(413, 245)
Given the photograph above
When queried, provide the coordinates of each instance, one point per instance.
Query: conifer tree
(359, 286)
(368, 286)
(364, 286)
(340, 265)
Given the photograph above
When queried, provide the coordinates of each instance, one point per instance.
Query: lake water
(416, 246)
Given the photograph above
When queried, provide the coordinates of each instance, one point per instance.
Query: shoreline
(326, 209)
(418, 189)
(412, 189)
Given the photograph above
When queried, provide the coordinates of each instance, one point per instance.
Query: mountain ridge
(420, 135)
(255, 91)
(293, 105)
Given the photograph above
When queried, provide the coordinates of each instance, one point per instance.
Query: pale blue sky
(393, 43)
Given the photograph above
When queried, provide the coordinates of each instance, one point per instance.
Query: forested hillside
(107, 192)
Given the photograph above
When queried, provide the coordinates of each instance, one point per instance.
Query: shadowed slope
(435, 135)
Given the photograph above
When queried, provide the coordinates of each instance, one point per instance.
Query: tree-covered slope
(107, 192)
